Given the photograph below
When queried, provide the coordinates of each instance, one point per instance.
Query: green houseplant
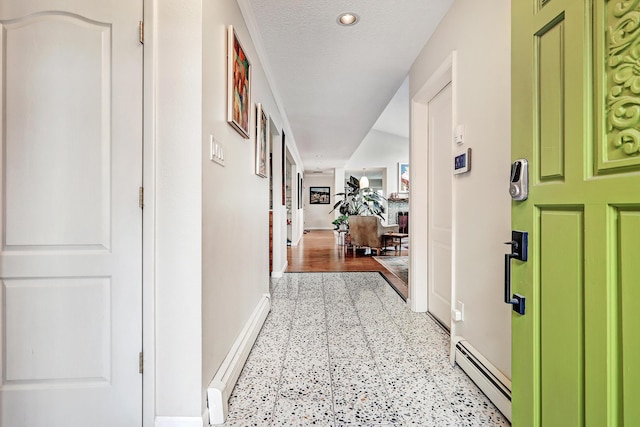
(341, 223)
(359, 201)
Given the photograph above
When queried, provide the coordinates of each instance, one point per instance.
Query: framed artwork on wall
(403, 177)
(238, 85)
(319, 196)
(262, 142)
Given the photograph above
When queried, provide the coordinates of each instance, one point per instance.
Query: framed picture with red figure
(238, 84)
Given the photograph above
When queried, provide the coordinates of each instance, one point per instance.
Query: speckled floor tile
(306, 338)
(420, 403)
(392, 365)
(360, 374)
(310, 385)
(302, 412)
(342, 349)
(265, 345)
(315, 320)
(342, 316)
(268, 366)
(364, 406)
(347, 343)
(252, 402)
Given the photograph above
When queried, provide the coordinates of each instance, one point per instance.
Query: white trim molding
(150, 95)
(278, 274)
(418, 154)
(220, 387)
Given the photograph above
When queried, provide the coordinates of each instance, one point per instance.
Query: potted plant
(341, 223)
(359, 201)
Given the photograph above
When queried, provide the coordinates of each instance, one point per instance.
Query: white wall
(381, 150)
(338, 186)
(480, 34)
(235, 201)
(279, 209)
(317, 217)
(297, 214)
(209, 219)
(178, 211)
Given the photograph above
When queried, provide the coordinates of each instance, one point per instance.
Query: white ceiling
(334, 82)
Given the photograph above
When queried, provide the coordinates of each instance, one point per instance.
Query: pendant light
(364, 181)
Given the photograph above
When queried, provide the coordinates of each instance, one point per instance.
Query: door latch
(519, 180)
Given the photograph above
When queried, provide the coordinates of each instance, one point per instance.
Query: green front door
(576, 118)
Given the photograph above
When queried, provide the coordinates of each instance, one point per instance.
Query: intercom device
(519, 183)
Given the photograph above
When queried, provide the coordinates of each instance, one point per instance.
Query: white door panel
(70, 262)
(35, 305)
(58, 125)
(440, 205)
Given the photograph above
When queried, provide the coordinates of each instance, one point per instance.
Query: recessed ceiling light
(348, 19)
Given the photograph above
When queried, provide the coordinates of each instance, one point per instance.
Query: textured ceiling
(333, 81)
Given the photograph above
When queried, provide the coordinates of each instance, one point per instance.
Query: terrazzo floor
(342, 349)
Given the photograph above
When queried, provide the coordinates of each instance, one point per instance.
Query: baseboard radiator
(492, 382)
(221, 386)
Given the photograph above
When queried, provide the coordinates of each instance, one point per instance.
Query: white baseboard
(225, 379)
(487, 377)
(179, 422)
(278, 274)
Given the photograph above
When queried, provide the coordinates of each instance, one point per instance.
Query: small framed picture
(403, 177)
(262, 142)
(319, 195)
(238, 85)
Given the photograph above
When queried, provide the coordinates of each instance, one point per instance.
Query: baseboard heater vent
(493, 384)
(225, 379)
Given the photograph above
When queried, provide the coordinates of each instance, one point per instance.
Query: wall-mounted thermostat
(462, 162)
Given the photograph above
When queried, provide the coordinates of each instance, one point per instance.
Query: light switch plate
(216, 151)
(459, 134)
(457, 314)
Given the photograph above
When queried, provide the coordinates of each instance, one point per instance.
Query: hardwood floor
(319, 251)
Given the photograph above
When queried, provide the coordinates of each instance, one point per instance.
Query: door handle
(519, 251)
(517, 300)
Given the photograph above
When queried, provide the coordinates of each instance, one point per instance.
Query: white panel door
(70, 260)
(440, 205)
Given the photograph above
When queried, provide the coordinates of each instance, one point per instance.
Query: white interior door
(70, 261)
(440, 204)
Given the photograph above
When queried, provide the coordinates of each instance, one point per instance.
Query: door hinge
(140, 362)
(141, 197)
(141, 29)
